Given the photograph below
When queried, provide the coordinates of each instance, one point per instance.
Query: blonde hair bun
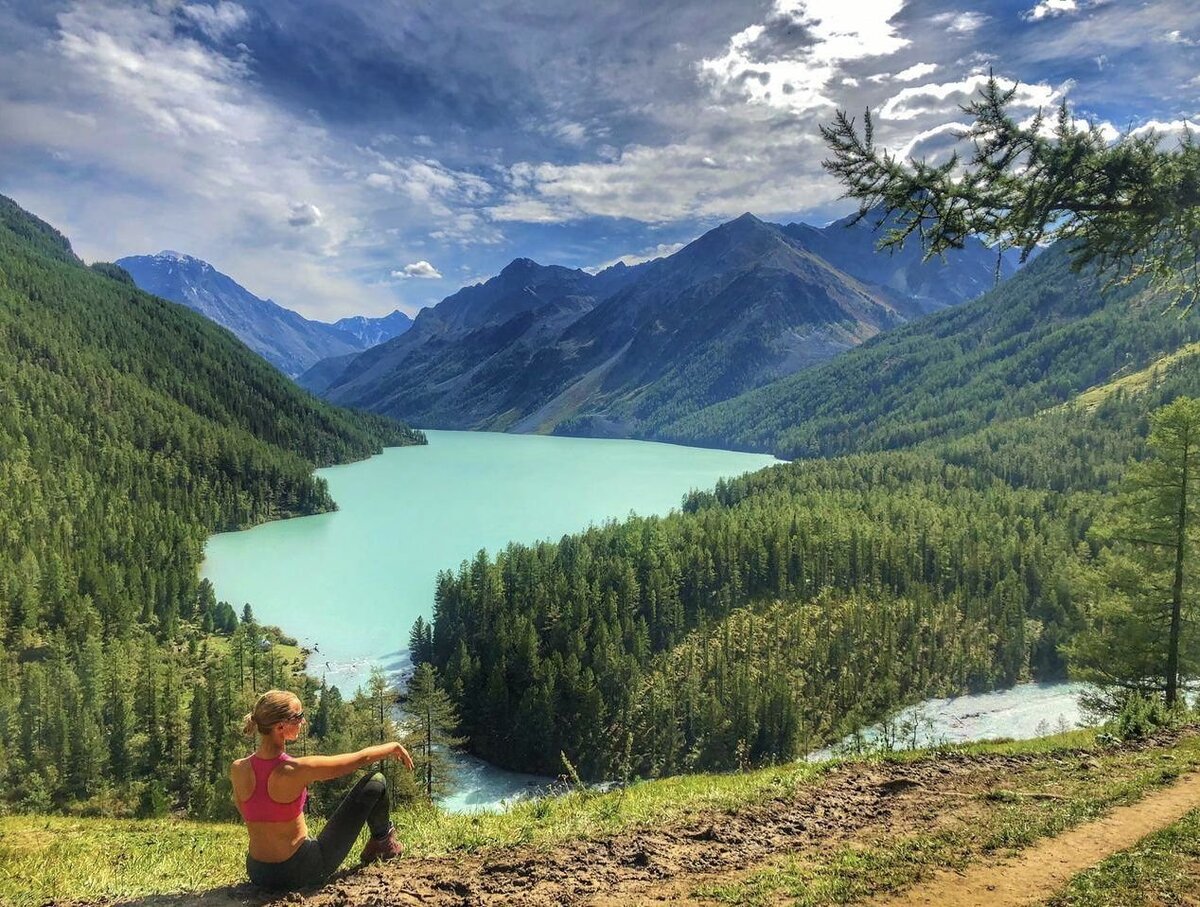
(272, 707)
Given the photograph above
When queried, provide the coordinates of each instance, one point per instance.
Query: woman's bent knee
(374, 786)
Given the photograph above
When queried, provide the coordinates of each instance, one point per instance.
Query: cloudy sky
(346, 157)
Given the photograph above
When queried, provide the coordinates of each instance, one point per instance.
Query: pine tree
(1129, 206)
(420, 642)
(432, 722)
(1142, 639)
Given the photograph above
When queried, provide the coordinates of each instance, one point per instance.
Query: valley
(599, 454)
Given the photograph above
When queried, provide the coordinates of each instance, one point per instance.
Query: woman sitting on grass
(270, 788)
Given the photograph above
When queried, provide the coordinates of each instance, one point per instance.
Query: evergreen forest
(130, 430)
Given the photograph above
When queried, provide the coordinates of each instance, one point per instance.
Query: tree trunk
(1177, 585)
(429, 750)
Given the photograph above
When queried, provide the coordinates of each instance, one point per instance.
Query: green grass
(54, 858)
(1135, 382)
(1162, 869)
(583, 815)
(44, 858)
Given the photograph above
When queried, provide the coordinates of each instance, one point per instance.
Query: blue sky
(350, 157)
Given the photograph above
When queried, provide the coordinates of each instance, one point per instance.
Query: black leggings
(318, 858)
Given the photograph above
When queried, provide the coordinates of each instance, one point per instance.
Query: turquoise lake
(350, 584)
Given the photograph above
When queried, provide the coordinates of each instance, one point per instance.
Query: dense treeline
(130, 430)
(545, 647)
(1033, 342)
(868, 580)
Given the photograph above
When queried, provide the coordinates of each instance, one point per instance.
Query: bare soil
(664, 865)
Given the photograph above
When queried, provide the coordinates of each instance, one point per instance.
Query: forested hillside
(131, 429)
(1040, 337)
(785, 608)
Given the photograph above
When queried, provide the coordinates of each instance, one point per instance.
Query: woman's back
(276, 829)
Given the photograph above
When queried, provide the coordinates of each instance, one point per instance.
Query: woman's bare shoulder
(242, 776)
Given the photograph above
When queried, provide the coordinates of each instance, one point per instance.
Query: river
(1022, 712)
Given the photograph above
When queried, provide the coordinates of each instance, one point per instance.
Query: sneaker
(382, 848)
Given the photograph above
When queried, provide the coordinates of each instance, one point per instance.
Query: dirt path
(1040, 871)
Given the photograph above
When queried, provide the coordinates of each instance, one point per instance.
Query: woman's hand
(400, 754)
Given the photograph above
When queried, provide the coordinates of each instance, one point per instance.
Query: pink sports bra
(259, 807)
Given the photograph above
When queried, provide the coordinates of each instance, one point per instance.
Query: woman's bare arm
(295, 774)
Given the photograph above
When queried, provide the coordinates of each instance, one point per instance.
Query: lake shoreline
(349, 582)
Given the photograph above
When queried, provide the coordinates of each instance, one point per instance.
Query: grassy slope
(1136, 382)
(60, 858)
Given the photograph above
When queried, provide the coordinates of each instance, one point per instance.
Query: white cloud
(1175, 36)
(945, 99)
(788, 61)
(933, 144)
(304, 214)
(567, 131)
(217, 21)
(662, 250)
(960, 23)
(467, 228)
(916, 71)
(448, 198)
(1169, 133)
(1048, 9)
(1108, 131)
(1052, 9)
(429, 183)
(422, 270)
(531, 210)
(762, 173)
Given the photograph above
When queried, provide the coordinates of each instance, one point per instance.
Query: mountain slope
(476, 356)
(287, 340)
(936, 284)
(739, 306)
(631, 347)
(1028, 344)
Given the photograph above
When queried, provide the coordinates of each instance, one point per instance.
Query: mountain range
(550, 349)
(286, 339)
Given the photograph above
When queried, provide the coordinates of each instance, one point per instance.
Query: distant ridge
(286, 339)
(540, 348)
(1027, 345)
(374, 331)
